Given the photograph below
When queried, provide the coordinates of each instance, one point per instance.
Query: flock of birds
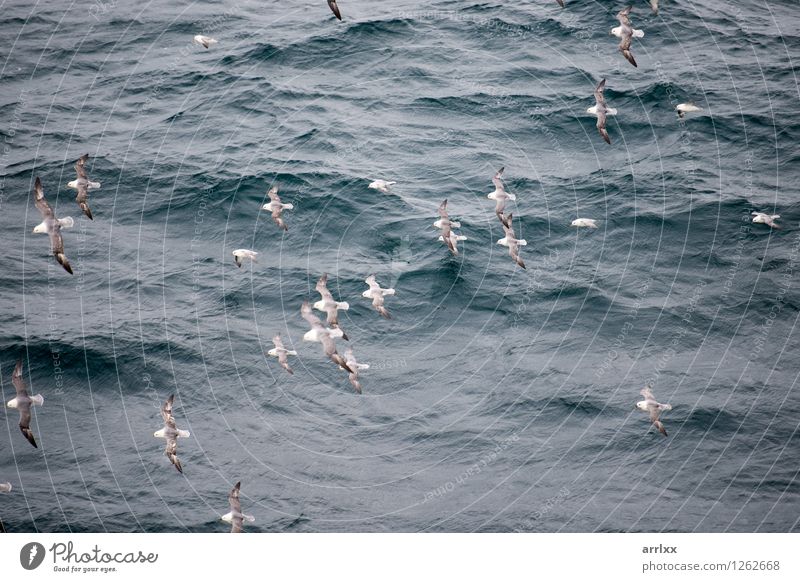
(326, 333)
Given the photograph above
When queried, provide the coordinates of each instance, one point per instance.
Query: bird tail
(389, 291)
(638, 33)
(38, 399)
(343, 305)
(67, 221)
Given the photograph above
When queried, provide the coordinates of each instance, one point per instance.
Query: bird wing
(443, 210)
(171, 448)
(322, 289)
(513, 250)
(57, 246)
(273, 194)
(448, 239)
(40, 201)
(625, 47)
(80, 168)
(623, 14)
(601, 125)
(647, 392)
(233, 499)
(17, 381)
(166, 409)
(497, 180)
(309, 316)
(598, 92)
(335, 9)
(25, 421)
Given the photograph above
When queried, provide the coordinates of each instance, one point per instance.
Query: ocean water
(498, 399)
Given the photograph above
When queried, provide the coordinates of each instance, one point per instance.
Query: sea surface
(497, 399)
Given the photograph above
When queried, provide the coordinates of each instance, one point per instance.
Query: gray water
(498, 399)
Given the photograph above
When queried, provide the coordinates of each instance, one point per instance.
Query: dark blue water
(497, 399)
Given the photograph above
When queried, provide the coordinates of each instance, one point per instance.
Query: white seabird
(626, 32)
(324, 335)
(382, 185)
(206, 41)
(280, 352)
(587, 222)
(329, 305)
(511, 241)
(684, 108)
(500, 196)
(445, 224)
(276, 207)
(618, 31)
(235, 516)
(768, 219)
(23, 402)
(655, 408)
(171, 433)
(52, 225)
(601, 110)
(354, 367)
(82, 184)
(5, 487)
(376, 293)
(239, 256)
